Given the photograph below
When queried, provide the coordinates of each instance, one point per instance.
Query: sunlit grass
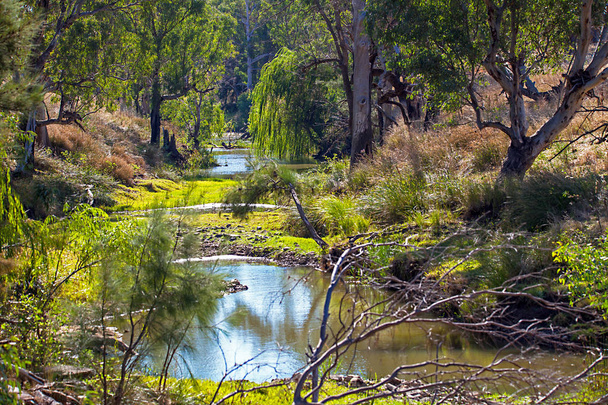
(162, 193)
(187, 391)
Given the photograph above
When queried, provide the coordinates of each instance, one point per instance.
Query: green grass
(268, 226)
(202, 391)
(162, 193)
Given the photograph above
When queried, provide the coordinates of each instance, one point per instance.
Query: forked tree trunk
(362, 134)
(521, 155)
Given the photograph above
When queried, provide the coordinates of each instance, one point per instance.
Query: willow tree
(459, 44)
(290, 108)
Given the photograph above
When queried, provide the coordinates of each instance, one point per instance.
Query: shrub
(544, 197)
(586, 274)
(340, 216)
(488, 156)
(119, 168)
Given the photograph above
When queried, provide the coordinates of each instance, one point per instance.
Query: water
(263, 333)
(239, 161)
(231, 162)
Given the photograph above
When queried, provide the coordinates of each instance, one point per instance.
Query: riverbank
(456, 249)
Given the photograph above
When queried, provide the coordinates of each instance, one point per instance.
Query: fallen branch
(313, 233)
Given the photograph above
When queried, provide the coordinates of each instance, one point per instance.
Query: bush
(586, 271)
(340, 216)
(120, 169)
(396, 199)
(542, 198)
(487, 156)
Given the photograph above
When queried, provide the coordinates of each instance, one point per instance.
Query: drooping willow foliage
(289, 108)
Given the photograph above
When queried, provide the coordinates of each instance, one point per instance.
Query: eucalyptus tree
(346, 24)
(338, 28)
(57, 19)
(212, 42)
(177, 46)
(455, 45)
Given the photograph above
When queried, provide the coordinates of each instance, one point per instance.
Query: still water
(239, 161)
(268, 328)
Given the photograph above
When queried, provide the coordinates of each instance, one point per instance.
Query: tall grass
(340, 216)
(543, 198)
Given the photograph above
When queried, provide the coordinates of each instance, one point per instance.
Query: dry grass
(113, 143)
(458, 147)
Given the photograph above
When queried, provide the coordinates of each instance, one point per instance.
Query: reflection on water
(238, 161)
(270, 325)
(231, 162)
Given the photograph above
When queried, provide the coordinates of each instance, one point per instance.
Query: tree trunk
(197, 122)
(248, 50)
(521, 155)
(362, 134)
(155, 114)
(26, 166)
(42, 133)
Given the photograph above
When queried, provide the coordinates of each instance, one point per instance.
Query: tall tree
(453, 43)
(176, 41)
(361, 125)
(57, 18)
(344, 43)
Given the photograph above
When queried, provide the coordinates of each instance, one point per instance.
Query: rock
(26, 398)
(394, 381)
(234, 286)
(43, 399)
(354, 381)
(112, 338)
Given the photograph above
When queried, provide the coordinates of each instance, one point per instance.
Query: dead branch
(425, 300)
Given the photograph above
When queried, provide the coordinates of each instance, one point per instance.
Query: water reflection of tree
(352, 320)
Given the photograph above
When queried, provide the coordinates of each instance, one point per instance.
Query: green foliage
(98, 44)
(268, 182)
(398, 198)
(513, 255)
(9, 369)
(445, 43)
(340, 216)
(186, 111)
(11, 211)
(17, 91)
(289, 110)
(586, 271)
(545, 197)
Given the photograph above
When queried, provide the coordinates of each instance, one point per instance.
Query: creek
(234, 162)
(262, 333)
